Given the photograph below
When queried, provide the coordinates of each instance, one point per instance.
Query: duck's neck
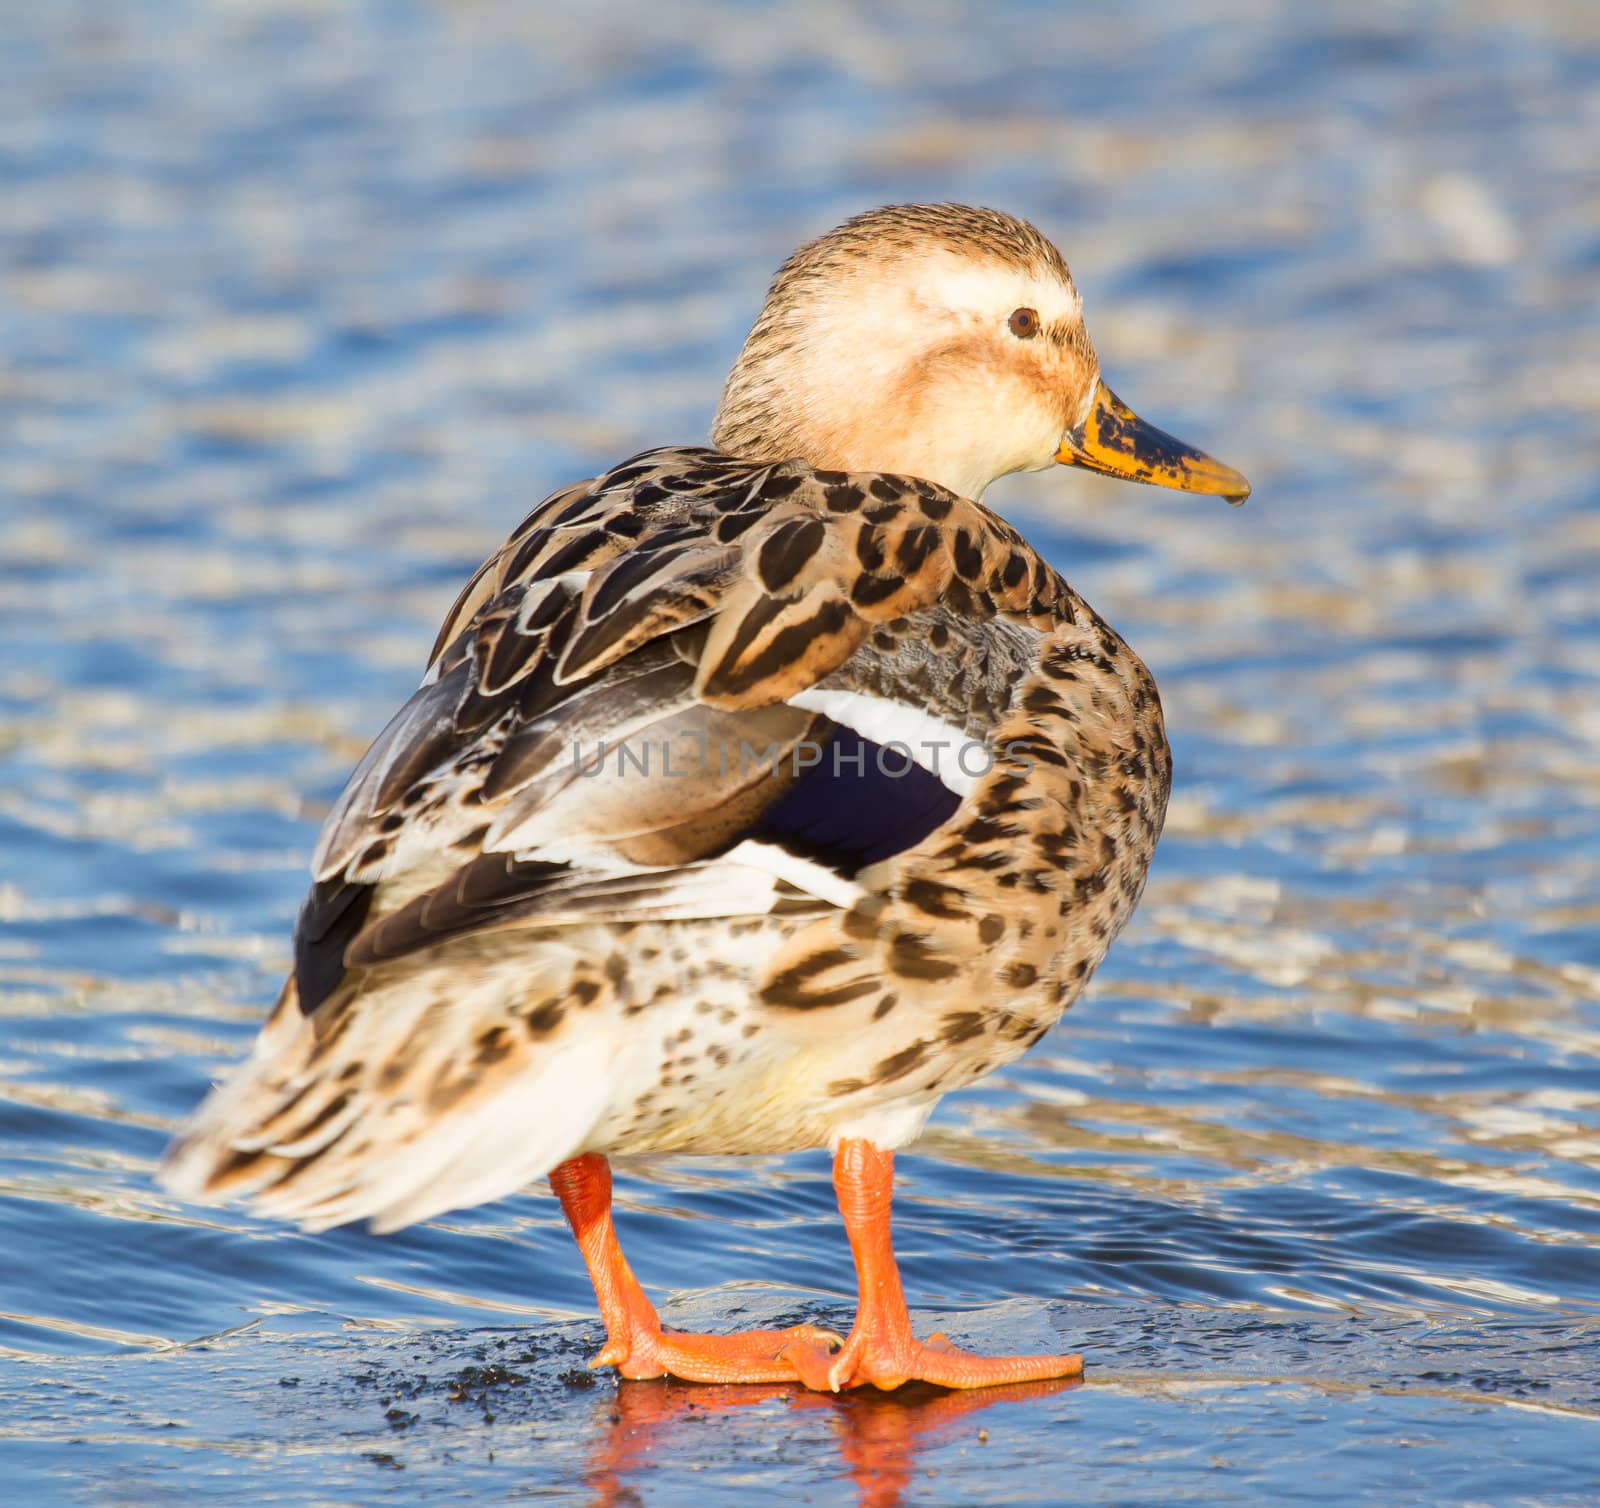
(837, 442)
(801, 390)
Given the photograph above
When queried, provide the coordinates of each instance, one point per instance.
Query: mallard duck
(756, 797)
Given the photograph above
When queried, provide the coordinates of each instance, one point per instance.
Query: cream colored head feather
(937, 341)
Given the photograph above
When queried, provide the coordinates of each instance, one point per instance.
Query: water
(301, 308)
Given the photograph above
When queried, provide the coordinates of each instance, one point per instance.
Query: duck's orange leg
(881, 1348)
(636, 1345)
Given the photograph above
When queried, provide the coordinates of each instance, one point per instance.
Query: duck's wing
(641, 708)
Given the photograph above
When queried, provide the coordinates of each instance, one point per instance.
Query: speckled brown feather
(727, 587)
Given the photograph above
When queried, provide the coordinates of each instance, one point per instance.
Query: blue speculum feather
(860, 803)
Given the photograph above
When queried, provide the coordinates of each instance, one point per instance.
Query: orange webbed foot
(636, 1343)
(745, 1356)
(881, 1350)
(889, 1361)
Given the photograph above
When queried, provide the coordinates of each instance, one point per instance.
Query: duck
(757, 795)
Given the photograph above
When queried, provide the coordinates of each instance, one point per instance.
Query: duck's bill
(1117, 442)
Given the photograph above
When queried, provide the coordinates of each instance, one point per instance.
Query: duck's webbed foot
(636, 1344)
(881, 1349)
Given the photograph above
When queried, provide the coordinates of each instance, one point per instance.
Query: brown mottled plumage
(633, 872)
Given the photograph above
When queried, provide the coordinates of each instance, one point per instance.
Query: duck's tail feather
(397, 1101)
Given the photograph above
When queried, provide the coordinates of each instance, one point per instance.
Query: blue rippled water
(302, 307)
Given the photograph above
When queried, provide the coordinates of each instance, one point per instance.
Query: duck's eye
(1024, 323)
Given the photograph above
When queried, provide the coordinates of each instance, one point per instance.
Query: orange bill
(1116, 441)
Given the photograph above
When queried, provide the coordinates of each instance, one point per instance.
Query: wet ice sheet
(1188, 1407)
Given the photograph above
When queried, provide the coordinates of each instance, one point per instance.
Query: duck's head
(941, 342)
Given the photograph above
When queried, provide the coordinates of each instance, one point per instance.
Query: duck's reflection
(879, 1435)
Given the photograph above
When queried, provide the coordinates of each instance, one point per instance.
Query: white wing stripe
(804, 874)
(941, 748)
